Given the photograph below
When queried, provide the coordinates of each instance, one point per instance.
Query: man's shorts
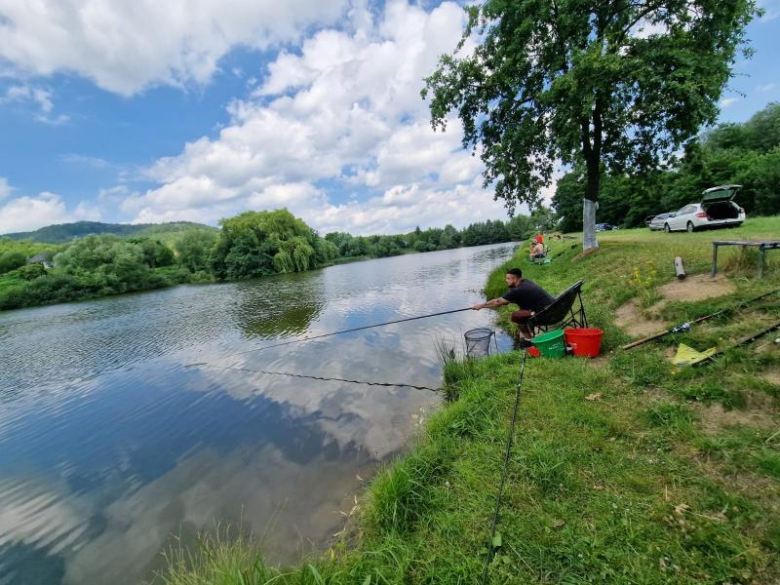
(521, 316)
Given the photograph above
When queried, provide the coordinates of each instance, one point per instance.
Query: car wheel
(690, 227)
(667, 229)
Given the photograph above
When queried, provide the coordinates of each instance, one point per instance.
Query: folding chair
(561, 312)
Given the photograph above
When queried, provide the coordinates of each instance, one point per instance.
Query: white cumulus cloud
(127, 46)
(29, 213)
(5, 188)
(402, 208)
(345, 109)
(40, 100)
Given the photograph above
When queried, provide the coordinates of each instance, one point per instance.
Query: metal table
(762, 248)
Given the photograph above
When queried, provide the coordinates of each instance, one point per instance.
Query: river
(131, 423)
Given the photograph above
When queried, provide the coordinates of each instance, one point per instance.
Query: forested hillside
(63, 233)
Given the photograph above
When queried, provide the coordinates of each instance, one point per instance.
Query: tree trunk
(592, 154)
(589, 240)
(589, 207)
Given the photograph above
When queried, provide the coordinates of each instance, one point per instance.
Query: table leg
(714, 259)
(761, 261)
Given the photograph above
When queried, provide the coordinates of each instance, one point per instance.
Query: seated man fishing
(537, 251)
(528, 295)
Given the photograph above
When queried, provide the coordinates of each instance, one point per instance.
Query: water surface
(127, 421)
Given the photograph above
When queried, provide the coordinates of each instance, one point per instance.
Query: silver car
(656, 223)
(716, 209)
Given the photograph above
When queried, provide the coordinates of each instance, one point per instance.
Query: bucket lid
(549, 336)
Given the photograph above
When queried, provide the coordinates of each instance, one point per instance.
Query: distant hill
(63, 233)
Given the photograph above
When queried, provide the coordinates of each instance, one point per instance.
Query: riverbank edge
(617, 490)
(166, 273)
(227, 556)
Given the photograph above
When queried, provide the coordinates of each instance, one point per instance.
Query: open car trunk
(717, 202)
(721, 210)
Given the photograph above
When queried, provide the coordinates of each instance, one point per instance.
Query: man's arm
(499, 302)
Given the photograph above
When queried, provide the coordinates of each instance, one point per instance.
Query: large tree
(602, 84)
(256, 243)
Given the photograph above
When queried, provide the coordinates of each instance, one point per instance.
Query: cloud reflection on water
(99, 471)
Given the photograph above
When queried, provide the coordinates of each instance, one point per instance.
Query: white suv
(715, 210)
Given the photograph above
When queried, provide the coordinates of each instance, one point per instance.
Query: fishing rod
(352, 330)
(687, 325)
(507, 453)
(745, 341)
(322, 336)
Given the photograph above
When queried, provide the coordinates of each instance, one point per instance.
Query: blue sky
(145, 111)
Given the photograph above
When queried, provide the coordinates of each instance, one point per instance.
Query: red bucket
(584, 342)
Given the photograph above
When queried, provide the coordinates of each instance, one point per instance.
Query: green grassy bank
(624, 469)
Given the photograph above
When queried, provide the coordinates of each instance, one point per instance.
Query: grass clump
(671, 416)
(224, 557)
(401, 494)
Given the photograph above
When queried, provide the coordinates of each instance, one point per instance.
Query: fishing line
(507, 453)
(352, 330)
(331, 334)
(323, 378)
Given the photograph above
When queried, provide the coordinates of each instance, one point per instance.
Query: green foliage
(250, 244)
(266, 242)
(32, 271)
(156, 254)
(11, 261)
(25, 247)
(543, 219)
(92, 266)
(384, 246)
(488, 232)
(573, 80)
(746, 154)
(432, 239)
(325, 251)
(402, 494)
(520, 227)
(567, 201)
(194, 249)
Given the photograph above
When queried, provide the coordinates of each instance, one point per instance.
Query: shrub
(11, 261)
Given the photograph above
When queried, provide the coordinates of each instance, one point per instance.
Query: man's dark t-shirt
(529, 295)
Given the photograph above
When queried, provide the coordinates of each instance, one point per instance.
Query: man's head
(513, 277)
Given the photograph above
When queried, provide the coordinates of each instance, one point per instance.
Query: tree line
(252, 244)
(746, 154)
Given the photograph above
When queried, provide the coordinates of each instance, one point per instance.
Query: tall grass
(224, 557)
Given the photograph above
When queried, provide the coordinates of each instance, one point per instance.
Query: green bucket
(552, 344)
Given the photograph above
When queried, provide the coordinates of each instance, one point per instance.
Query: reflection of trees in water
(280, 305)
(34, 565)
(497, 252)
